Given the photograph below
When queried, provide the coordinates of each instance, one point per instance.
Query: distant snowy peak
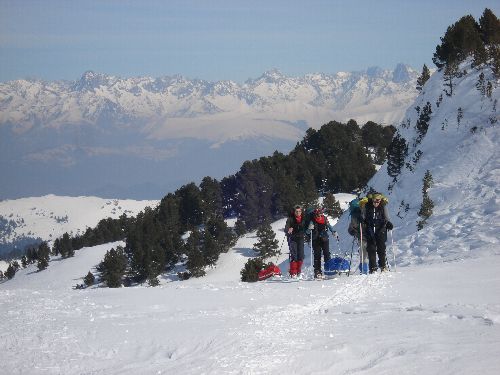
(97, 98)
(91, 81)
(402, 73)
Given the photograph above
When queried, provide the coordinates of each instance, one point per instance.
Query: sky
(220, 39)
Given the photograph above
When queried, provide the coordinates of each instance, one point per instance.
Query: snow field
(434, 319)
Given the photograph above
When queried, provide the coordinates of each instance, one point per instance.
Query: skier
(318, 228)
(357, 232)
(376, 218)
(294, 229)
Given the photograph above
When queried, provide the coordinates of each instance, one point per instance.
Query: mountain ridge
(104, 129)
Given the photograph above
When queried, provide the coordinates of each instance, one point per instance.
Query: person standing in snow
(295, 229)
(358, 230)
(375, 216)
(318, 229)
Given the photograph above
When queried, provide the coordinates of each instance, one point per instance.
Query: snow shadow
(247, 252)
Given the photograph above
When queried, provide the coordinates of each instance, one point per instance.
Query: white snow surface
(439, 318)
(438, 313)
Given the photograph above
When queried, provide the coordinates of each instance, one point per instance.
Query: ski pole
(361, 247)
(336, 235)
(281, 247)
(393, 251)
(311, 246)
(350, 260)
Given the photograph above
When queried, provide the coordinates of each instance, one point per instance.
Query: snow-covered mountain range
(90, 136)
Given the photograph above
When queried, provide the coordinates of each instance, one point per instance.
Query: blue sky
(220, 39)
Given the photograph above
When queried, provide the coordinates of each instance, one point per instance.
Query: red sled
(270, 271)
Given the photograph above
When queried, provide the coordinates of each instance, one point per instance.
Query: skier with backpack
(375, 216)
(356, 229)
(295, 229)
(318, 230)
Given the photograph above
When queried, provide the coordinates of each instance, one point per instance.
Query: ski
(277, 279)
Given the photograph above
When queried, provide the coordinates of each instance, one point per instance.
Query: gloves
(351, 231)
(311, 226)
(389, 225)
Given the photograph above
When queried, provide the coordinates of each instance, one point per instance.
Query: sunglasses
(376, 201)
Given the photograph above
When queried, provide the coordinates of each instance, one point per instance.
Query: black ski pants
(296, 247)
(376, 246)
(320, 246)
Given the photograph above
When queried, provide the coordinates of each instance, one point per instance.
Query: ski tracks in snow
(277, 335)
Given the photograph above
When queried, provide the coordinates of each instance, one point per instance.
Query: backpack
(268, 271)
(355, 207)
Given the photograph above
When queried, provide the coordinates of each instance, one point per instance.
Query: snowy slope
(464, 159)
(51, 216)
(427, 319)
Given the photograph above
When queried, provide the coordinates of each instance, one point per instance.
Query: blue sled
(336, 265)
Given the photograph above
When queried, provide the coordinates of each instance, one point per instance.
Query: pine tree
(89, 280)
(427, 204)
(221, 233)
(267, 245)
(424, 77)
(250, 272)
(16, 265)
(254, 194)
(480, 56)
(113, 267)
(24, 261)
(211, 198)
(153, 281)
(489, 26)
(66, 246)
(56, 247)
(481, 85)
(332, 206)
(210, 249)
(196, 261)
(240, 227)
(428, 181)
(489, 89)
(396, 154)
(11, 271)
(422, 124)
(43, 256)
(31, 255)
(494, 53)
(190, 205)
(168, 220)
(450, 73)
(460, 40)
